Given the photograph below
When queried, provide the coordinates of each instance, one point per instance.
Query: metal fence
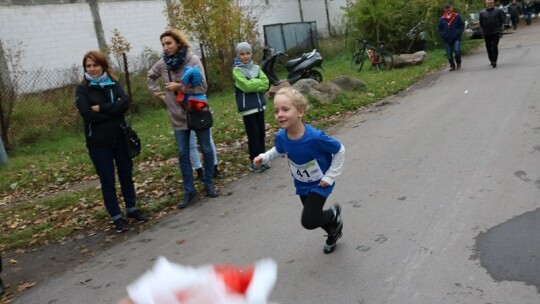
(43, 102)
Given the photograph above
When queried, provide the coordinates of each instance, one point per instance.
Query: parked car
(472, 26)
(507, 19)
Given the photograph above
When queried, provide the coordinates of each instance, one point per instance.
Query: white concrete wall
(57, 36)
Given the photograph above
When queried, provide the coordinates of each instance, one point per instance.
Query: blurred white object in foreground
(169, 283)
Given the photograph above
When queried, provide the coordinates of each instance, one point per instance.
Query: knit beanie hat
(243, 46)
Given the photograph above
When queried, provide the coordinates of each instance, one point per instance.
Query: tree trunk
(3, 154)
(98, 27)
(7, 96)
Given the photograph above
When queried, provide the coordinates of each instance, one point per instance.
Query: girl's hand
(257, 161)
(95, 108)
(323, 184)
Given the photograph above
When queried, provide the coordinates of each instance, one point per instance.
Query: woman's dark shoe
(210, 190)
(120, 225)
(189, 198)
(138, 216)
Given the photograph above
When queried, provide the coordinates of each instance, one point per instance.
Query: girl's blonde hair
(297, 99)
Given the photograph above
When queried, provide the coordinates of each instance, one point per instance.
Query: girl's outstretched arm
(335, 168)
(265, 157)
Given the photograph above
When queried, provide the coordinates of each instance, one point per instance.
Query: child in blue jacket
(315, 160)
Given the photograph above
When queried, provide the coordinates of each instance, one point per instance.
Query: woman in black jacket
(102, 103)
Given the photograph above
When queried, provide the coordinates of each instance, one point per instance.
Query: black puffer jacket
(492, 21)
(102, 128)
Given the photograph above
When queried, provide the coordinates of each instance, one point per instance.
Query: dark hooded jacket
(102, 128)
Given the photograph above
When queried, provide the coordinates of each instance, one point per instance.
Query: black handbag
(133, 142)
(199, 120)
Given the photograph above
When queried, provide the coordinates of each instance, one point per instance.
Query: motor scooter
(298, 68)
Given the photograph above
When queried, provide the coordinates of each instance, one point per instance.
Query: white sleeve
(269, 155)
(335, 167)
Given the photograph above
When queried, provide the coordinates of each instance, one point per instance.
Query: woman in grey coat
(177, 56)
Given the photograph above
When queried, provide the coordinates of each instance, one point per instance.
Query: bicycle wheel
(386, 60)
(358, 59)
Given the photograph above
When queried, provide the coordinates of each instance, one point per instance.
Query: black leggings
(313, 215)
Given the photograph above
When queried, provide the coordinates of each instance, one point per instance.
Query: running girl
(315, 160)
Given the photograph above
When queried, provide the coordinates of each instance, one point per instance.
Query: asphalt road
(440, 197)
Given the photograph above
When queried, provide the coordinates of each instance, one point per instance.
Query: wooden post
(203, 59)
(126, 72)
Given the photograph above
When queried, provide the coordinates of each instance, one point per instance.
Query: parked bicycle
(378, 57)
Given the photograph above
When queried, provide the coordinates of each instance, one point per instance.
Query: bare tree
(11, 55)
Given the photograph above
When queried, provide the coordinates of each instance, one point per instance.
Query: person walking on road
(177, 56)
(492, 22)
(527, 11)
(451, 26)
(514, 10)
(315, 160)
(102, 103)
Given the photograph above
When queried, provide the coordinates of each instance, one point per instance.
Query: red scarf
(450, 17)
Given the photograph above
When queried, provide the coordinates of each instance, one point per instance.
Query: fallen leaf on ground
(25, 285)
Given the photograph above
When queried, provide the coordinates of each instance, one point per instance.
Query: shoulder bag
(199, 120)
(133, 142)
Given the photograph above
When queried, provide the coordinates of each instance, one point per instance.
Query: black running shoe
(120, 225)
(335, 230)
(138, 216)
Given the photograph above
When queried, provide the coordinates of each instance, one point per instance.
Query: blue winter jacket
(452, 33)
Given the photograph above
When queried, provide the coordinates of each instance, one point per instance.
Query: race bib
(308, 172)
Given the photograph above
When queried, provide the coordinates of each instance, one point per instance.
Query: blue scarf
(102, 80)
(249, 69)
(174, 61)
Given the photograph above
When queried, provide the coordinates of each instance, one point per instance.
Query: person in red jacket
(451, 26)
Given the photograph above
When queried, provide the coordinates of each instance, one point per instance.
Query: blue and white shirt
(312, 158)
